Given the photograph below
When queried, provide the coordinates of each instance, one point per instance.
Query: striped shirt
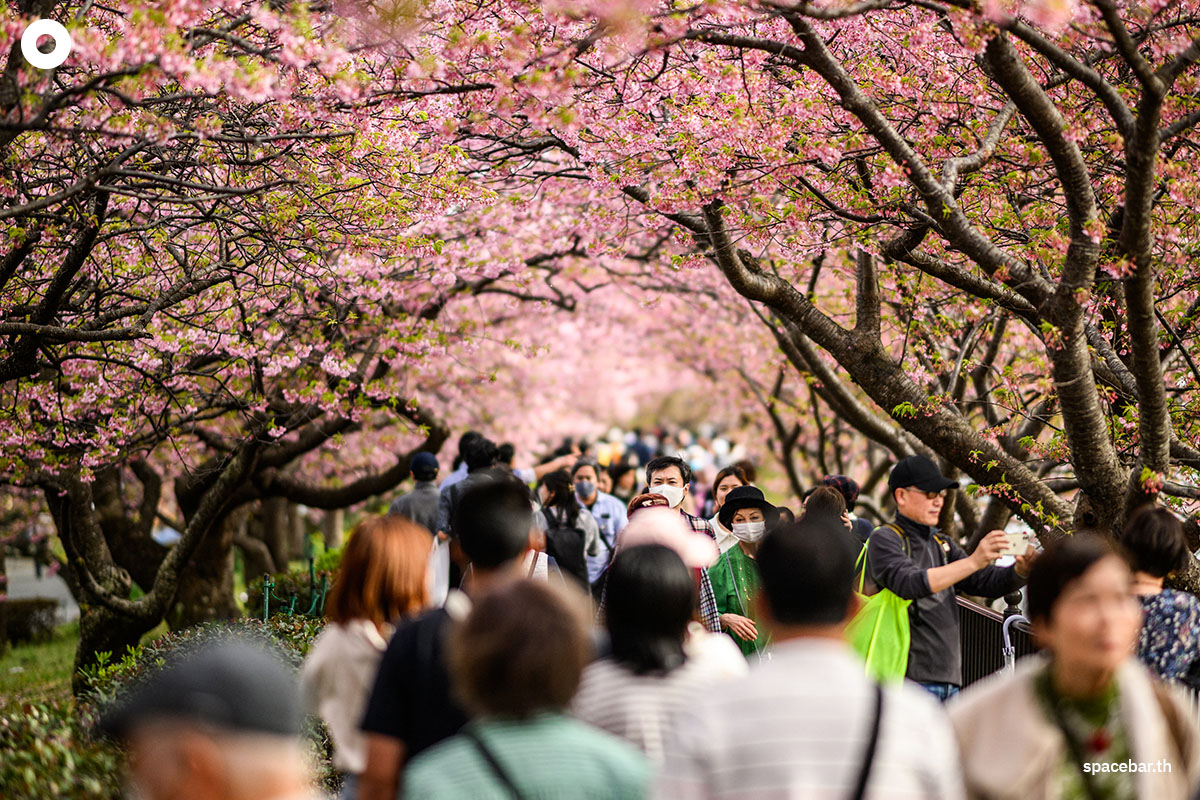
(797, 726)
(548, 757)
(640, 708)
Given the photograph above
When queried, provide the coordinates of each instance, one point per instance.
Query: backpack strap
(903, 536)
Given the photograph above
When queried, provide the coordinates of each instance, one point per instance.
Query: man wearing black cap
(421, 504)
(912, 558)
(221, 722)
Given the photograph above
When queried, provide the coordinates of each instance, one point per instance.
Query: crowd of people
(604, 625)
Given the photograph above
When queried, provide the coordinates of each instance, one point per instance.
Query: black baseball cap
(920, 472)
(235, 684)
(424, 463)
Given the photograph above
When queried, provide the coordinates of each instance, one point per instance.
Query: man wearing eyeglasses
(911, 557)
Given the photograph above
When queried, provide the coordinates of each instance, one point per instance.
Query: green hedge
(27, 619)
(48, 750)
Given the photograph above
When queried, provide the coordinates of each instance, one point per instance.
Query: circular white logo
(62, 44)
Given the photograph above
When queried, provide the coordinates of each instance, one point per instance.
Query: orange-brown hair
(382, 576)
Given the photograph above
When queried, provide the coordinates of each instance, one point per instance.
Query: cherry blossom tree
(969, 226)
(213, 273)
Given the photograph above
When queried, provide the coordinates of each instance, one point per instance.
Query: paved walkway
(23, 582)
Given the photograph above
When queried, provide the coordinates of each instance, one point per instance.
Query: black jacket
(900, 564)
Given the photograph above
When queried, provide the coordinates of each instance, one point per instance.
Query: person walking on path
(381, 581)
(809, 722)
(670, 477)
(421, 504)
(1170, 640)
(411, 707)
(608, 511)
(516, 662)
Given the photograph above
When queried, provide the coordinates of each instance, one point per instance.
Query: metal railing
(992, 641)
(981, 631)
(287, 605)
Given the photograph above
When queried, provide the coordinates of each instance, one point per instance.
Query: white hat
(666, 527)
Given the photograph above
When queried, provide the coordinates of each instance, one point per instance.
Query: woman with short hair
(1170, 640)
(1068, 724)
(515, 663)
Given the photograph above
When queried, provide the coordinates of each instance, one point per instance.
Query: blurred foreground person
(1071, 724)
(516, 662)
(641, 501)
(1170, 641)
(662, 526)
(411, 707)
(221, 722)
(809, 722)
(381, 581)
(636, 692)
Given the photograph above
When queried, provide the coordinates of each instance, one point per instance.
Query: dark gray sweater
(934, 654)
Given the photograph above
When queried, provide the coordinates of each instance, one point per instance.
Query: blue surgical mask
(585, 489)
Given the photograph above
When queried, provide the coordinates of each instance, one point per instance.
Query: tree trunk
(275, 519)
(332, 527)
(248, 535)
(3, 594)
(296, 526)
(206, 583)
(104, 631)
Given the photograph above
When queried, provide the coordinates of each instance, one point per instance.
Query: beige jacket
(336, 680)
(1012, 751)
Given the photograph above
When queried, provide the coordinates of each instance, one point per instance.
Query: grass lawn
(35, 672)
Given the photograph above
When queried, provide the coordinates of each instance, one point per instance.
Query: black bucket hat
(746, 497)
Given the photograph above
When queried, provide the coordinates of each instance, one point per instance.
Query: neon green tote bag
(879, 631)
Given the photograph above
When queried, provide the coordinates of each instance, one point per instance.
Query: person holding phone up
(911, 557)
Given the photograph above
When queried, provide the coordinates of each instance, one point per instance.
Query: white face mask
(674, 494)
(749, 532)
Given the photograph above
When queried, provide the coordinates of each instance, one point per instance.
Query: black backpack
(565, 544)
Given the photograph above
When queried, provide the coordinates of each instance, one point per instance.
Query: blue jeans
(942, 691)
